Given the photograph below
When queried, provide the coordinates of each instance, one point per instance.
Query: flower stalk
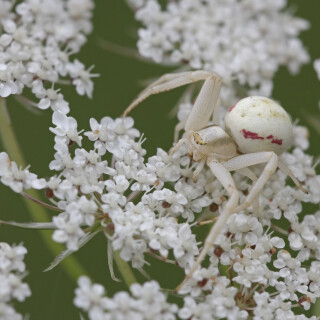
(124, 269)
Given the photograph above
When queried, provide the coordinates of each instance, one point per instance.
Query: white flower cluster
(147, 206)
(88, 189)
(37, 38)
(18, 179)
(146, 302)
(12, 269)
(245, 40)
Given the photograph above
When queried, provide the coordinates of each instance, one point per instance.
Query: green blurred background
(121, 78)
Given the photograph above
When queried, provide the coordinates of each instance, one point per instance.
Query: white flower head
(242, 40)
(36, 44)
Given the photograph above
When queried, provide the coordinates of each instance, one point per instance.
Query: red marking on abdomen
(277, 141)
(251, 135)
(230, 109)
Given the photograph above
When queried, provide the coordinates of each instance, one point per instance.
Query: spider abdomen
(259, 124)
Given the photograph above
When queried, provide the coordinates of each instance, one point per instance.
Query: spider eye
(197, 138)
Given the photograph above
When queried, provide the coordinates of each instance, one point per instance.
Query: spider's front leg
(167, 82)
(225, 178)
(204, 107)
(206, 101)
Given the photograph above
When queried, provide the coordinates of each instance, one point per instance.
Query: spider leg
(248, 173)
(171, 81)
(205, 105)
(198, 170)
(283, 167)
(167, 82)
(178, 145)
(225, 178)
(247, 160)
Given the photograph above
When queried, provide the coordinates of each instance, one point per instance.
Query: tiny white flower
(65, 126)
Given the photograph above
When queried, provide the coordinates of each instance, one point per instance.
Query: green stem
(71, 265)
(8, 137)
(124, 269)
(316, 308)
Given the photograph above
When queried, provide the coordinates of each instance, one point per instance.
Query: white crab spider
(257, 130)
